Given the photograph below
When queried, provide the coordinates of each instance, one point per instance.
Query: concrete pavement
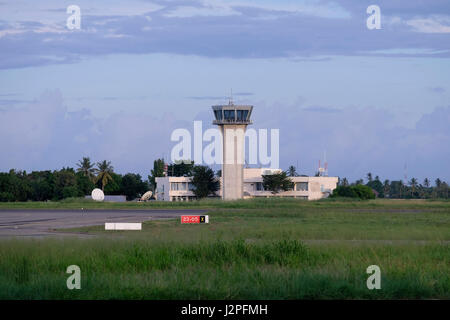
(42, 222)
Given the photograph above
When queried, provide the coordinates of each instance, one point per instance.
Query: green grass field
(252, 249)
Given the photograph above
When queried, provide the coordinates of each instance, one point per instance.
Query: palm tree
(413, 184)
(292, 171)
(386, 188)
(369, 177)
(104, 171)
(426, 182)
(401, 187)
(87, 168)
(343, 182)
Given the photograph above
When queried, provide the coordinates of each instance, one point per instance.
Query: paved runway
(42, 222)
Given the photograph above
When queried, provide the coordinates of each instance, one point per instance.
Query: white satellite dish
(97, 195)
(146, 196)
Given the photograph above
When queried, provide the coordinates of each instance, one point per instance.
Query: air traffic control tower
(232, 120)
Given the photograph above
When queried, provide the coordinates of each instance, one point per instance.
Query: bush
(204, 182)
(277, 182)
(6, 196)
(359, 191)
(364, 192)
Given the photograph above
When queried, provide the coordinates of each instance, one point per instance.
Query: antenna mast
(405, 174)
(323, 171)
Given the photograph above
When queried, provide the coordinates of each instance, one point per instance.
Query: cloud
(437, 89)
(435, 24)
(208, 98)
(44, 135)
(312, 30)
(9, 99)
(322, 109)
(359, 140)
(222, 98)
(191, 11)
(243, 94)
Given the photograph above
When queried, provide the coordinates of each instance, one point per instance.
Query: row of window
(231, 115)
(184, 186)
(299, 186)
(181, 186)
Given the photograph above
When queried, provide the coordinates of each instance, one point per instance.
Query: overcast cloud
(43, 135)
(237, 29)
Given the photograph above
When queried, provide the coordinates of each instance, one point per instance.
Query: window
(301, 186)
(259, 186)
(228, 115)
(241, 115)
(218, 114)
(190, 186)
(178, 186)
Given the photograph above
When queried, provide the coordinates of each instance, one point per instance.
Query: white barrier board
(123, 226)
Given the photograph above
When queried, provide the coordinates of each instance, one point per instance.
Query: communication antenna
(146, 196)
(405, 174)
(97, 195)
(323, 171)
(166, 168)
(231, 98)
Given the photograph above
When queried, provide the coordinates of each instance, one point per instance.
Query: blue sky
(136, 70)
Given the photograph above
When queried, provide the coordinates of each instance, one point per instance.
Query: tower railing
(232, 121)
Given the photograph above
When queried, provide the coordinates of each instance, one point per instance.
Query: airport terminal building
(308, 188)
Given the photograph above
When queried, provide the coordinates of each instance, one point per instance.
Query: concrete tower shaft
(232, 120)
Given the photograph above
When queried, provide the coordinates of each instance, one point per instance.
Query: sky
(373, 100)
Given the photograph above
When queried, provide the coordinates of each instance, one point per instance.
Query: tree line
(17, 185)
(397, 189)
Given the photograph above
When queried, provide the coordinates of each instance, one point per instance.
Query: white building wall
(318, 187)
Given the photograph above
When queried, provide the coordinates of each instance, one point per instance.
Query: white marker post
(122, 226)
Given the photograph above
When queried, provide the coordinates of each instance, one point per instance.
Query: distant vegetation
(358, 191)
(277, 182)
(68, 183)
(204, 182)
(17, 185)
(397, 189)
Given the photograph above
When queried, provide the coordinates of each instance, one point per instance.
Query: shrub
(358, 191)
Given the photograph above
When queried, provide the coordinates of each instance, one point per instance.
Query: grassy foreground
(257, 249)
